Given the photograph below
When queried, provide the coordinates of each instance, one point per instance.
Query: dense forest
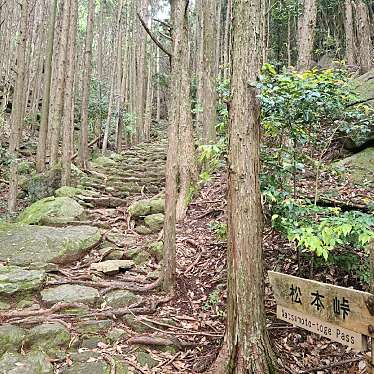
(158, 158)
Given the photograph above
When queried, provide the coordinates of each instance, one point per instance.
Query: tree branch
(163, 23)
(156, 41)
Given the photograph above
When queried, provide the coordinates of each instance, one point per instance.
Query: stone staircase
(85, 273)
(138, 170)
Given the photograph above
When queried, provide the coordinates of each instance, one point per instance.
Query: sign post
(340, 314)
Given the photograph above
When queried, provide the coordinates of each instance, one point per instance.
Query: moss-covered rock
(139, 208)
(96, 367)
(70, 293)
(143, 230)
(94, 326)
(48, 337)
(15, 279)
(33, 246)
(360, 166)
(154, 222)
(121, 299)
(45, 184)
(52, 210)
(145, 359)
(11, 338)
(32, 363)
(67, 191)
(156, 249)
(103, 161)
(157, 206)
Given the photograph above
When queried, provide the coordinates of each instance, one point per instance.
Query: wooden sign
(353, 339)
(343, 310)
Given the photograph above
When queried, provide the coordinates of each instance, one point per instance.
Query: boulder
(67, 191)
(45, 184)
(48, 337)
(70, 293)
(52, 210)
(11, 338)
(360, 166)
(154, 222)
(16, 279)
(121, 299)
(365, 86)
(33, 363)
(157, 206)
(26, 245)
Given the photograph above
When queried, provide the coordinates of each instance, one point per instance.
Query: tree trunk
(68, 113)
(246, 348)
(349, 35)
(116, 70)
(83, 149)
(141, 72)
(178, 14)
(364, 37)
(307, 25)
(60, 86)
(208, 86)
(18, 107)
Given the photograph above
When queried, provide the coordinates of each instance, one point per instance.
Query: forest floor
(154, 333)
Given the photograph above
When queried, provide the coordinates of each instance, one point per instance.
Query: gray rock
(112, 266)
(11, 338)
(27, 245)
(48, 337)
(155, 222)
(116, 334)
(143, 230)
(33, 363)
(360, 166)
(16, 279)
(121, 299)
(145, 359)
(52, 210)
(91, 342)
(97, 367)
(70, 293)
(94, 326)
(44, 185)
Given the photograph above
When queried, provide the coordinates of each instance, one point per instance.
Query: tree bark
(178, 13)
(68, 111)
(364, 37)
(18, 107)
(83, 149)
(246, 348)
(307, 25)
(349, 35)
(60, 86)
(208, 86)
